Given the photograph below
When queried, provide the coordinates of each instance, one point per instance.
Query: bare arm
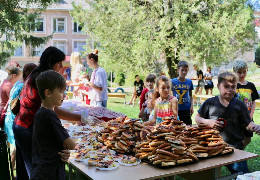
(174, 103)
(209, 122)
(141, 113)
(67, 115)
(253, 127)
(69, 143)
(94, 86)
(191, 103)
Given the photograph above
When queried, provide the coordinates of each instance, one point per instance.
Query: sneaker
(128, 103)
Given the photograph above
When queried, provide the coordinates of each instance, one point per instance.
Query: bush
(120, 78)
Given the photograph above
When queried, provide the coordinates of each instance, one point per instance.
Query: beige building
(67, 35)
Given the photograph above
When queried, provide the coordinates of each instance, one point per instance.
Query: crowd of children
(42, 142)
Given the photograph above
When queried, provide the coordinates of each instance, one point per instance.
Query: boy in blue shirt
(182, 90)
(49, 136)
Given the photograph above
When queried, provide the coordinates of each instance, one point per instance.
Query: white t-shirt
(99, 78)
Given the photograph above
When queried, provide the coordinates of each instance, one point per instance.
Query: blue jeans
(238, 167)
(98, 103)
(23, 141)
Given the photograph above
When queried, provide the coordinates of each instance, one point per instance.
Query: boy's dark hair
(151, 78)
(136, 76)
(227, 76)
(49, 80)
(182, 64)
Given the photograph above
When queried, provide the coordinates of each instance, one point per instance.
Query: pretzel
(182, 161)
(178, 151)
(192, 155)
(140, 154)
(167, 148)
(175, 141)
(160, 151)
(178, 147)
(168, 163)
(122, 146)
(213, 139)
(216, 152)
(201, 154)
(191, 142)
(165, 156)
(216, 143)
(204, 136)
(226, 151)
(156, 143)
(161, 146)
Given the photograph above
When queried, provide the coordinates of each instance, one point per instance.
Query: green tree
(257, 56)
(141, 35)
(16, 24)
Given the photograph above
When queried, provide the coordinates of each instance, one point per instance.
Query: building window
(79, 46)
(77, 28)
(60, 45)
(37, 51)
(40, 24)
(59, 25)
(18, 51)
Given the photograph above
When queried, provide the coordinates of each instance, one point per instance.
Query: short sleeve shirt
(207, 74)
(139, 86)
(48, 137)
(181, 90)
(99, 78)
(237, 119)
(247, 93)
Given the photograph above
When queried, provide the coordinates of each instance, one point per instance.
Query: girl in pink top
(165, 104)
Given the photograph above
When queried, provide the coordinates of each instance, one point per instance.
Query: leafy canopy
(16, 24)
(139, 35)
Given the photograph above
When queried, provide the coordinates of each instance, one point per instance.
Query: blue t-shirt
(181, 90)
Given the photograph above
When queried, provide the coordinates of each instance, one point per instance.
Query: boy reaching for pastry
(50, 138)
(233, 111)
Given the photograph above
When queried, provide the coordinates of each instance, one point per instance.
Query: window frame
(77, 40)
(65, 24)
(73, 32)
(61, 40)
(44, 25)
(23, 51)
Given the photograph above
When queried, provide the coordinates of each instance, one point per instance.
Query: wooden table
(206, 168)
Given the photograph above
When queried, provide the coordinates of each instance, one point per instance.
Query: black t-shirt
(247, 93)
(48, 137)
(237, 119)
(199, 72)
(139, 86)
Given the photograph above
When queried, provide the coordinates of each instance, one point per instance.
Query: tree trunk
(172, 62)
